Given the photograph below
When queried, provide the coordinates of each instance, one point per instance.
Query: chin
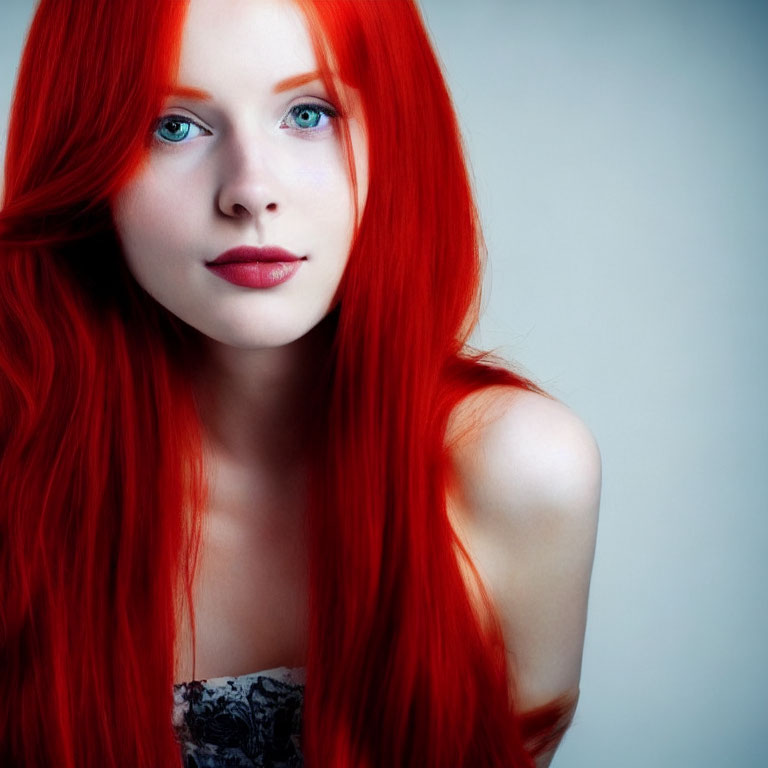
(252, 338)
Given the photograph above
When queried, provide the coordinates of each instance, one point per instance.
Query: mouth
(246, 254)
(252, 267)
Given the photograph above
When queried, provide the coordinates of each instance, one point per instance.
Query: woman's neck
(259, 407)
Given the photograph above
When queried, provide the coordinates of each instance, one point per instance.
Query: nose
(248, 187)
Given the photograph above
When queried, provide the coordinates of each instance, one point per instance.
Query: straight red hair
(101, 471)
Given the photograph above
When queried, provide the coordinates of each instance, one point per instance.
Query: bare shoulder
(526, 455)
(528, 477)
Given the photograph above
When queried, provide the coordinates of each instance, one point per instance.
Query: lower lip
(256, 274)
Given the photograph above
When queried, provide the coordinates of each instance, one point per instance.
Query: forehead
(234, 44)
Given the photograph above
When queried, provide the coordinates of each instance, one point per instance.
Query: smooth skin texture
(247, 170)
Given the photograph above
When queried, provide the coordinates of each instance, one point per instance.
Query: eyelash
(324, 110)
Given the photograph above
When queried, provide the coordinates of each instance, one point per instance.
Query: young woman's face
(247, 152)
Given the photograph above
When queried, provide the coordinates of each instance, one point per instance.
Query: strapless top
(248, 721)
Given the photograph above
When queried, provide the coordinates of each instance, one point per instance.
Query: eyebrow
(296, 81)
(186, 92)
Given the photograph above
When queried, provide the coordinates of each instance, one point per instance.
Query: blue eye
(174, 129)
(309, 116)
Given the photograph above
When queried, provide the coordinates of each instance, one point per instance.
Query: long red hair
(101, 474)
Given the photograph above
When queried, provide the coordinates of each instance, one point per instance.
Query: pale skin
(528, 471)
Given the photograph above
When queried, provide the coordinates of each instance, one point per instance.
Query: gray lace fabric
(249, 721)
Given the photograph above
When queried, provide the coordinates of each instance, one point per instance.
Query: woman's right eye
(174, 129)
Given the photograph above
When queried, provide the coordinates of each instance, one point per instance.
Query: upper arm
(529, 480)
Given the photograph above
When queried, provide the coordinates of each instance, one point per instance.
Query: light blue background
(620, 159)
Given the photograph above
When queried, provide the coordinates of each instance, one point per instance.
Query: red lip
(247, 253)
(252, 267)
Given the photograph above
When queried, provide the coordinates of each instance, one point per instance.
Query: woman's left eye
(174, 129)
(309, 117)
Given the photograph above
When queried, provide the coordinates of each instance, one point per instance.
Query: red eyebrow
(296, 81)
(185, 92)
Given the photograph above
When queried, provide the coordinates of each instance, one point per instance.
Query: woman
(243, 436)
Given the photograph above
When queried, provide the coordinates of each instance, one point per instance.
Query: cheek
(320, 177)
(147, 221)
(322, 186)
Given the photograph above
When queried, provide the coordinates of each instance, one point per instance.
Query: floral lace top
(250, 721)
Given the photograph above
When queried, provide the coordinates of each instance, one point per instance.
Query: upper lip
(245, 253)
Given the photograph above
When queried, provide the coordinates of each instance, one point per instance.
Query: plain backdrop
(620, 159)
